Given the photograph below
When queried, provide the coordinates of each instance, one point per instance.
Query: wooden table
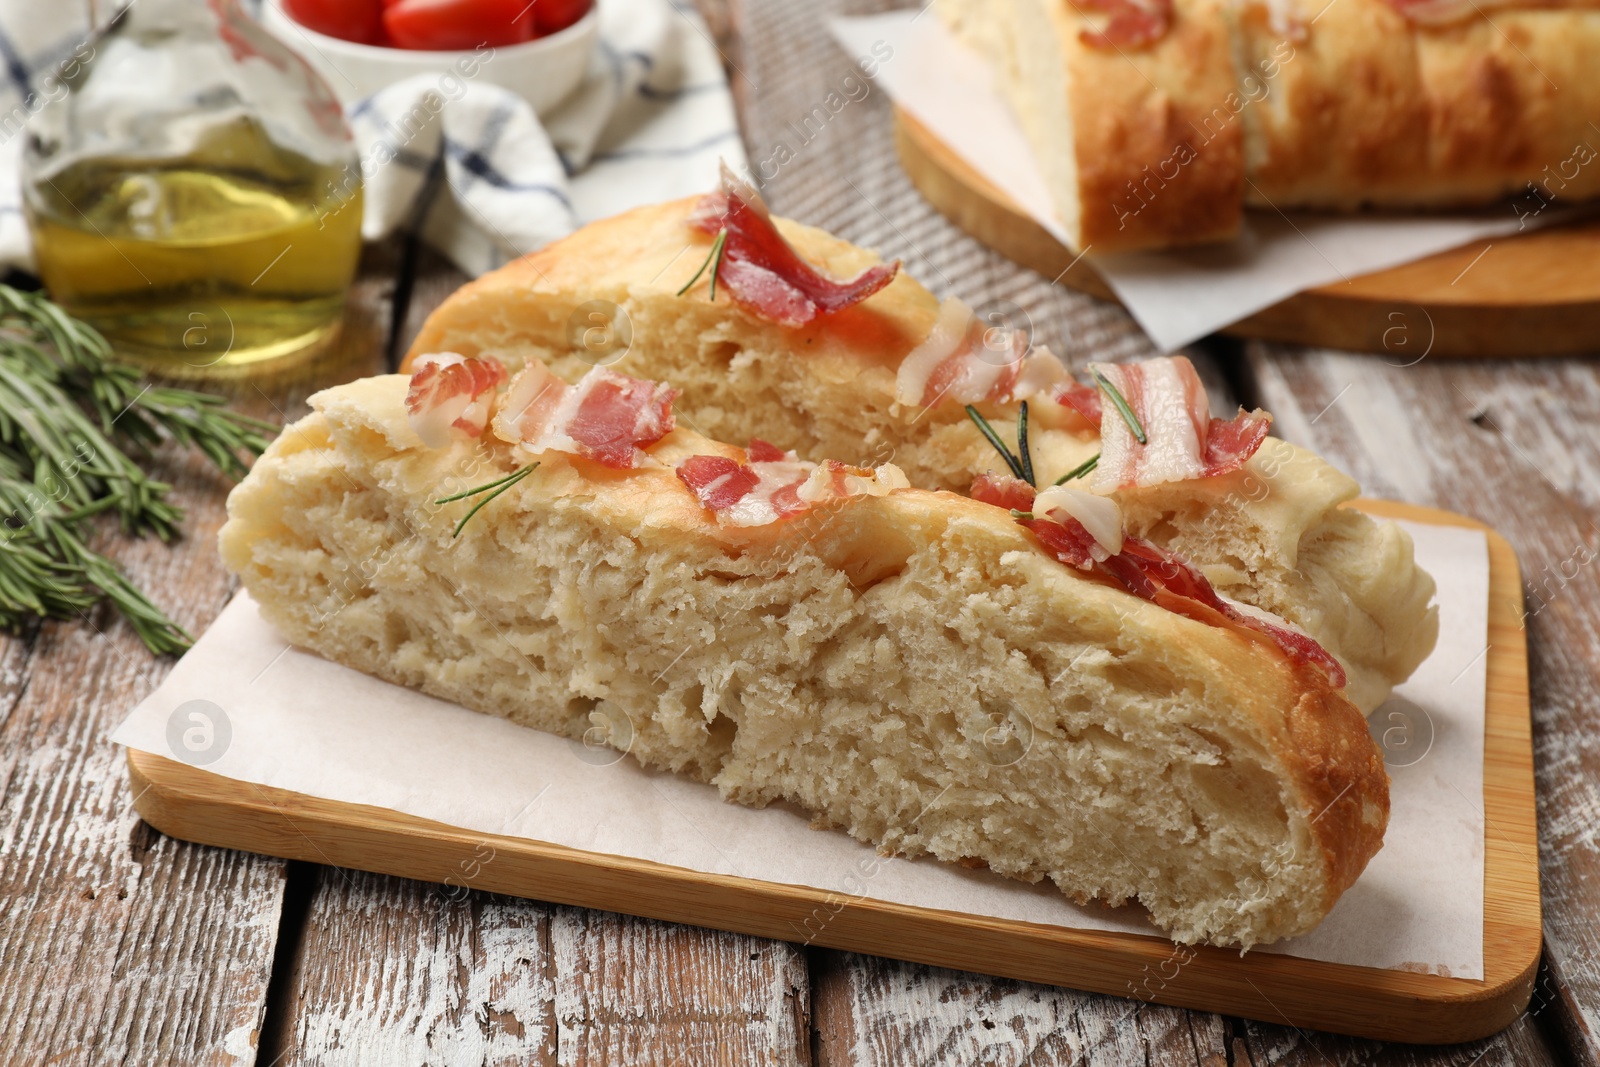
(118, 945)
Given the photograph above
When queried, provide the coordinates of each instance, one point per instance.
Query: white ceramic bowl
(544, 71)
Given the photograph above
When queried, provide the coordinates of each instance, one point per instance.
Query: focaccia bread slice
(1272, 534)
(911, 666)
(1124, 137)
(1158, 134)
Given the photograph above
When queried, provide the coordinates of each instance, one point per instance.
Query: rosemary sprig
(1121, 404)
(1080, 470)
(499, 485)
(1023, 452)
(71, 421)
(994, 439)
(713, 260)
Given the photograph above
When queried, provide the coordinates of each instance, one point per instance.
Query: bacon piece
(1446, 12)
(762, 272)
(616, 416)
(450, 391)
(1440, 12)
(1231, 442)
(965, 361)
(762, 452)
(1169, 401)
(1133, 23)
(1003, 491)
(1068, 542)
(756, 493)
(606, 417)
(1183, 589)
(1151, 573)
(835, 480)
(766, 490)
(951, 363)
(718, 481)
(529, 404)
(1100, 515)
(786, 499)
(1084, 399)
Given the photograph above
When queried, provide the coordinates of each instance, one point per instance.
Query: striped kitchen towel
(469, 164)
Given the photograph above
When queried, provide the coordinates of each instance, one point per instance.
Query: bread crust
(651, 249)
(1153, 167)
(355, 464)
(1348, 106)
(1370, 110)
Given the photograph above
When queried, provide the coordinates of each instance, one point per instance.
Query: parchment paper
(1178, 296)
(279, 716)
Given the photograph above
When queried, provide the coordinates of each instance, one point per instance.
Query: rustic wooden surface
(119, 946)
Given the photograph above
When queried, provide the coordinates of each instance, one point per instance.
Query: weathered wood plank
(391, 971)
(880, 1012)
(632, 991)
(1507, 443)
(1528, 1042)
(118, 945)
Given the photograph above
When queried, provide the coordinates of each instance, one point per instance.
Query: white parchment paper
(1179, 296)
(279, 716)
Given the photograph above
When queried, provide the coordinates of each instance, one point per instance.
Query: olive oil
(201, 265)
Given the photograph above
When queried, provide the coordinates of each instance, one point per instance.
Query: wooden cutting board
(1536, 293)
(196, 805)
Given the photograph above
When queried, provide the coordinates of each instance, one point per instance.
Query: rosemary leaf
(1024, 454)
(1121, 404)
(994, 439)
(71, 421)
(716, 263)
(484, 488)
(499, 485)
(713, 260)
(1080, 470)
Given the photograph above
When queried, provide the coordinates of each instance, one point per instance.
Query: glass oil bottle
(196, 196)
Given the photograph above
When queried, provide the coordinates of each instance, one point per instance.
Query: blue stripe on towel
(649, 92)
(479, 166)
(16, 69)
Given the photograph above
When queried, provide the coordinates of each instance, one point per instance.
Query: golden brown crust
(1336, 106)
(651, 249)
(1154, 165)
(1343, 781)
(1370, 109)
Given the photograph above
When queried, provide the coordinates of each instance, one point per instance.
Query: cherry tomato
(552, 15)
(446, 25)
(348, 20)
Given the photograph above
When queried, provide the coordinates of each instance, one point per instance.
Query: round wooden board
(1526, 295)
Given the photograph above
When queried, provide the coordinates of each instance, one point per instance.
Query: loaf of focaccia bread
(1155, 122)
(916, 667)
(1273, 533)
